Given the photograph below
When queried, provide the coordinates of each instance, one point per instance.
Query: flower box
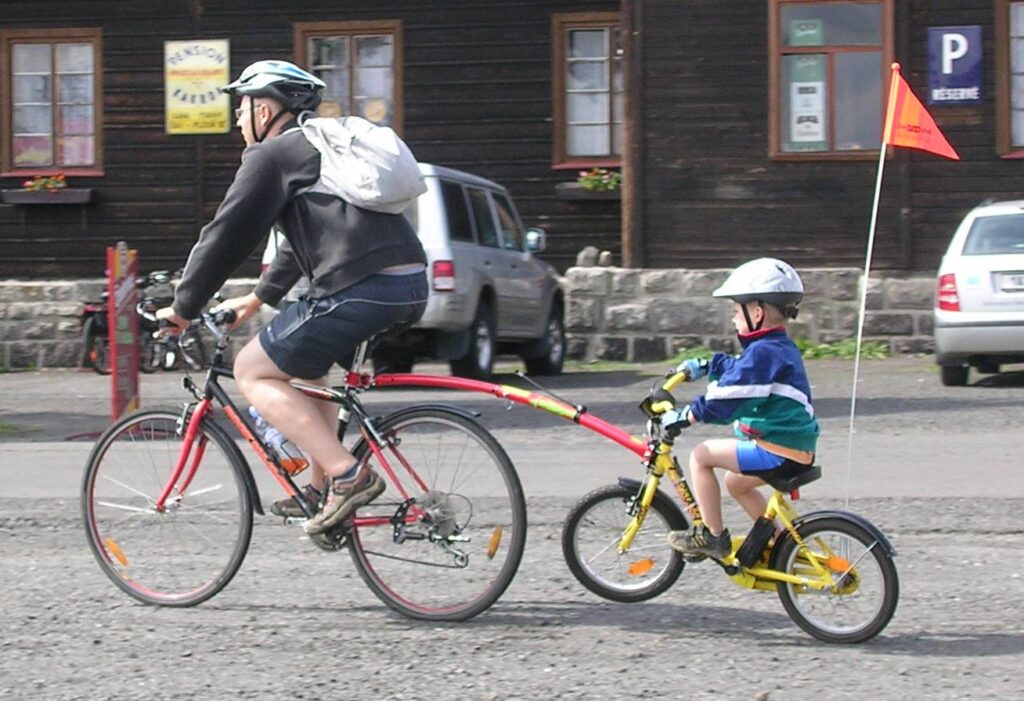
(575, 191)
(65, 195)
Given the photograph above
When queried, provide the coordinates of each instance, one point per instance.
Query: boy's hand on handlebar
(244, 307)
(675, 420)
(695, 368)
(173, 324)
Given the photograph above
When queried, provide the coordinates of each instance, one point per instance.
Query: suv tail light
(948, 299)
(443, 275)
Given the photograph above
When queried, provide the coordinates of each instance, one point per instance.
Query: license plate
(1012, 282)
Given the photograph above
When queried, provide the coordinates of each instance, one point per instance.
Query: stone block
(921, 345)
(59, 291)
(36, 330)
(21, 354)
(888, 324)
(587, 281)
(649, 349)
(689, 317)
(701, 283)
(914, 293)
(876, 294)
(612, 348)
(625, 282)
(60, 354)
(844, 284)
(576, 347)
(18, 311)
(627, 317)
(68, 329)
(723, 344)
(925, 324)
(661, 281)
(587, 258)
(583, 314)
(679, 344)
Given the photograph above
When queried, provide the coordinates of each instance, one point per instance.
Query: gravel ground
(298, 622)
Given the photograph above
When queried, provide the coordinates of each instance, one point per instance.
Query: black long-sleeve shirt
(330, 241)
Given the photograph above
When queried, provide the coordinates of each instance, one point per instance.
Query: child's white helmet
(767, 280)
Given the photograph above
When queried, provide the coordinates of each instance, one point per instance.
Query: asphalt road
(938, 469)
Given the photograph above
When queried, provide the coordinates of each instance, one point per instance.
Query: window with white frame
(588, 88)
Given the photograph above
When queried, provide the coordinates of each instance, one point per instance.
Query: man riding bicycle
(366, 272)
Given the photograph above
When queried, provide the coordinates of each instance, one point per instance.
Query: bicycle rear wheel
(461, 553)
(97, 348)
(186, 553)
(863, 597)
(590, 541)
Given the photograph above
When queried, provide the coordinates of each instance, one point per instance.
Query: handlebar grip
(222, 317)
(674, 381)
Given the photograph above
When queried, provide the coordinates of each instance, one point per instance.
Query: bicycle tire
(147, 354)
(190, 551)
(590, 540)
(872, 567)
(96, 353)
(473, 504)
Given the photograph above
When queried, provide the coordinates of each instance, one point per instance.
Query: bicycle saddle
(789, 484)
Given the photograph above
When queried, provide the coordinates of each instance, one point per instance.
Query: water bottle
(288, 454)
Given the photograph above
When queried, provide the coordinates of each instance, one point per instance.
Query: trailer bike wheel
(865, 589)
(186, 552)
(449, 551)
(591, 537)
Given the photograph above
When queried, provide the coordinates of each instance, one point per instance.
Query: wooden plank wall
(477, 97)
(712, 196)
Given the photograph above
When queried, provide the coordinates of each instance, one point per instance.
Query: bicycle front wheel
(450, 550)
(189, 550)
(590, 545)
(865, 589)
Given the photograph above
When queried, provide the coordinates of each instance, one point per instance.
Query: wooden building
(691, 99)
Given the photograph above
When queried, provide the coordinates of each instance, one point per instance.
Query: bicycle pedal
(695, 558)
(294, 520)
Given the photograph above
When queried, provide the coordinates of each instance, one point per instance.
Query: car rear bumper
(959, 342)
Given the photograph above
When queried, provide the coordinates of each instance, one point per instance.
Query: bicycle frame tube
(198, 415)
(576, 414)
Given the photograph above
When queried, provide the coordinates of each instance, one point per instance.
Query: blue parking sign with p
(954, 65)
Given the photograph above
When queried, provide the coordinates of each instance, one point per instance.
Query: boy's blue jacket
(764, 390)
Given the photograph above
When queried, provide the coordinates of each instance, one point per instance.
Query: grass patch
(8, 428)
(842, 350)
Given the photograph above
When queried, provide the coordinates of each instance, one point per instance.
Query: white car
(488, 293)
(979, 308)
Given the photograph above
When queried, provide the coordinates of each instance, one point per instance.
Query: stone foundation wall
(644, 315)
(611, 314)
(39, 320)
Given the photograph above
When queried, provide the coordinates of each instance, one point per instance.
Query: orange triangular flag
(907, 122)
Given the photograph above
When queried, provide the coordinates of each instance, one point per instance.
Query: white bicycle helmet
(297, 90)
(766, 280)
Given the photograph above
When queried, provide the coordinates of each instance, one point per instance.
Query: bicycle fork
(663, 463)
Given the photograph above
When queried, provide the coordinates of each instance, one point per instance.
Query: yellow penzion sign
(193, 73)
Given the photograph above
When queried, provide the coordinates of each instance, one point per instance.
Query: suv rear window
(459, 225)
(995, 235)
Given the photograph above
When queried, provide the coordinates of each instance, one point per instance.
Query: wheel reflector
(838, 564)
(492, 546)
(116, 551)
(641, 567)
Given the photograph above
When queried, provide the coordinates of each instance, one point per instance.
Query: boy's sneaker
(345, 497)
(288, 507)
(699, 541)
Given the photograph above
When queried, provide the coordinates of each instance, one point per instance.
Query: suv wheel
(954, 375)
(478, 361)
(553, 345)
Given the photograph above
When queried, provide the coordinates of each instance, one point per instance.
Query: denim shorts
(311, 335)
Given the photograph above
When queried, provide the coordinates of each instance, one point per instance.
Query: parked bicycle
(832, 570)
(154, 353)
(168, 500)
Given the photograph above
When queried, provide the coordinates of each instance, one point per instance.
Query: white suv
(979, 308)
(488, 293)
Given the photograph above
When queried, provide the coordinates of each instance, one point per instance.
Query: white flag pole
(867, 271)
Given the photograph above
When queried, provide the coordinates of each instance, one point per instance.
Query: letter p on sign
(954, 46)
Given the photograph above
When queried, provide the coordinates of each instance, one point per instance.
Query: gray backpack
(364, 164)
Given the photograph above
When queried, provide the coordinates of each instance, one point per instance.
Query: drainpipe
(633, 161)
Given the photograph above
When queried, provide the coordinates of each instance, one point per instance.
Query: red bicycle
(168, 500)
